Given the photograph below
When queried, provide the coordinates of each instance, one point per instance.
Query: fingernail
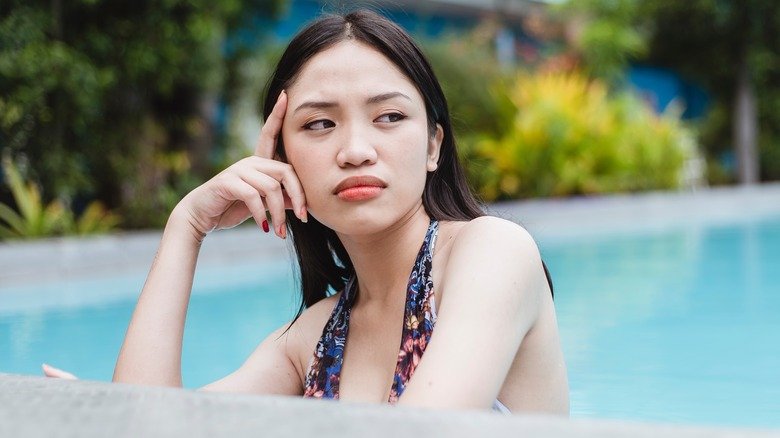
(265, 226)
(304, 215)
(282, 231)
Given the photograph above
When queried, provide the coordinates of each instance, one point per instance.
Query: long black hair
(323, 262)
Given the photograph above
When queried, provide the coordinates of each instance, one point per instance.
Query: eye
(390, 117)
(319, 125)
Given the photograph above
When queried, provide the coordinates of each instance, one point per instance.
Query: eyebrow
(386, 96)
(371, 100)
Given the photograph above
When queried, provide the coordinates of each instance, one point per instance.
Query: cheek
(312, 182)
(412, 162)
(418, 176)
(410, 172)
(308, 166)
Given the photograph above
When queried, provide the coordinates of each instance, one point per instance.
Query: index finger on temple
(272, 128)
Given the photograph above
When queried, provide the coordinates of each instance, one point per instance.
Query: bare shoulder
(494, 254)
(307, 329)
(313, 318)
(493, 237)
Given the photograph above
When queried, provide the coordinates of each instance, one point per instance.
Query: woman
(358, 147)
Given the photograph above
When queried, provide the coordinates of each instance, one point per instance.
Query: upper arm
(493, 281)
(270, 369)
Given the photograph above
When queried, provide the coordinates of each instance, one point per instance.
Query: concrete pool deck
(36, 407)
(33, 406)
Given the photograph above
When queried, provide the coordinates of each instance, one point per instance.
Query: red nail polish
(265, 226)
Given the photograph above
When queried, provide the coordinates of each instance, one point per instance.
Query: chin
(363, 220)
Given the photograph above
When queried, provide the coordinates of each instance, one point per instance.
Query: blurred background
(667, 290)
(110, 111)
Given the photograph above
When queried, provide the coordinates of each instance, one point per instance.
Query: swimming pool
(675, 325)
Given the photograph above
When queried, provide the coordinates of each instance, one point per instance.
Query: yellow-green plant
(568, 135)
(95, 219)
(35, 219)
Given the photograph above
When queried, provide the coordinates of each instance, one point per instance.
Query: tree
(731, 47)
(104, 99)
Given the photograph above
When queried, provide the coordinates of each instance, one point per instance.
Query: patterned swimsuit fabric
(324, 372)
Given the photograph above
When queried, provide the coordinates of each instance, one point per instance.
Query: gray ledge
(39, 407)
(548, 220)
(129, 253)
(571, 218)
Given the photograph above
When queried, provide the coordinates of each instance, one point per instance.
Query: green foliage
(707, 41)
(95, 219)
(719, 38)
(607, 34)
(569, 136)
(35, 219)
(525, 134)
(465, 66)
(93, 92)
(245, 102)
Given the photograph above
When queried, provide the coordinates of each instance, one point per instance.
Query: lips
(359, 181)
(359, 188)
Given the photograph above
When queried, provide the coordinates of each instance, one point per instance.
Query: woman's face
(352, 113)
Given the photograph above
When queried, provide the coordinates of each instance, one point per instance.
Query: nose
(357, 149)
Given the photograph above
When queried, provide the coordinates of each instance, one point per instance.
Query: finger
(251, 177)
(50, 371)
(267, 218)
(271, 190)
(266, 143)
(241, 191)
(295, 198)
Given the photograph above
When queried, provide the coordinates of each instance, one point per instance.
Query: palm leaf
(7, 233)
(28, 198)
(12, 218)
(96, 219)
(53, 218)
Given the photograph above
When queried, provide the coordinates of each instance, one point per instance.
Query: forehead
(350, 68)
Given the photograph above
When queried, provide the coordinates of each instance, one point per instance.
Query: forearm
(151, 352)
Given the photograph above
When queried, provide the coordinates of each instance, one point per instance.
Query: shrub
(36, 219)
(567, 136)
(465, 67)
(93, 93)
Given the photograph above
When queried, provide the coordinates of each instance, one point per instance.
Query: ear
(434, 147)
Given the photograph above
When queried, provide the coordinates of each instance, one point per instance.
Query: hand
(50, 371)
(249, 187)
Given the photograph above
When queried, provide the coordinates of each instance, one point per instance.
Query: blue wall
(301, 12)
(661, 86)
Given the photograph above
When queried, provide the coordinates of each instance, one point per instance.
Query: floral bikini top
(322, 378)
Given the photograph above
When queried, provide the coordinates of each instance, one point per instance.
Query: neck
(383, 261)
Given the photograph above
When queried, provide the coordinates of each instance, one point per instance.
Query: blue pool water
(676, 326)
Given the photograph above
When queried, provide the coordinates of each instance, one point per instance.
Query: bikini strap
(418, 315)
(329, 353)
(324, 371)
